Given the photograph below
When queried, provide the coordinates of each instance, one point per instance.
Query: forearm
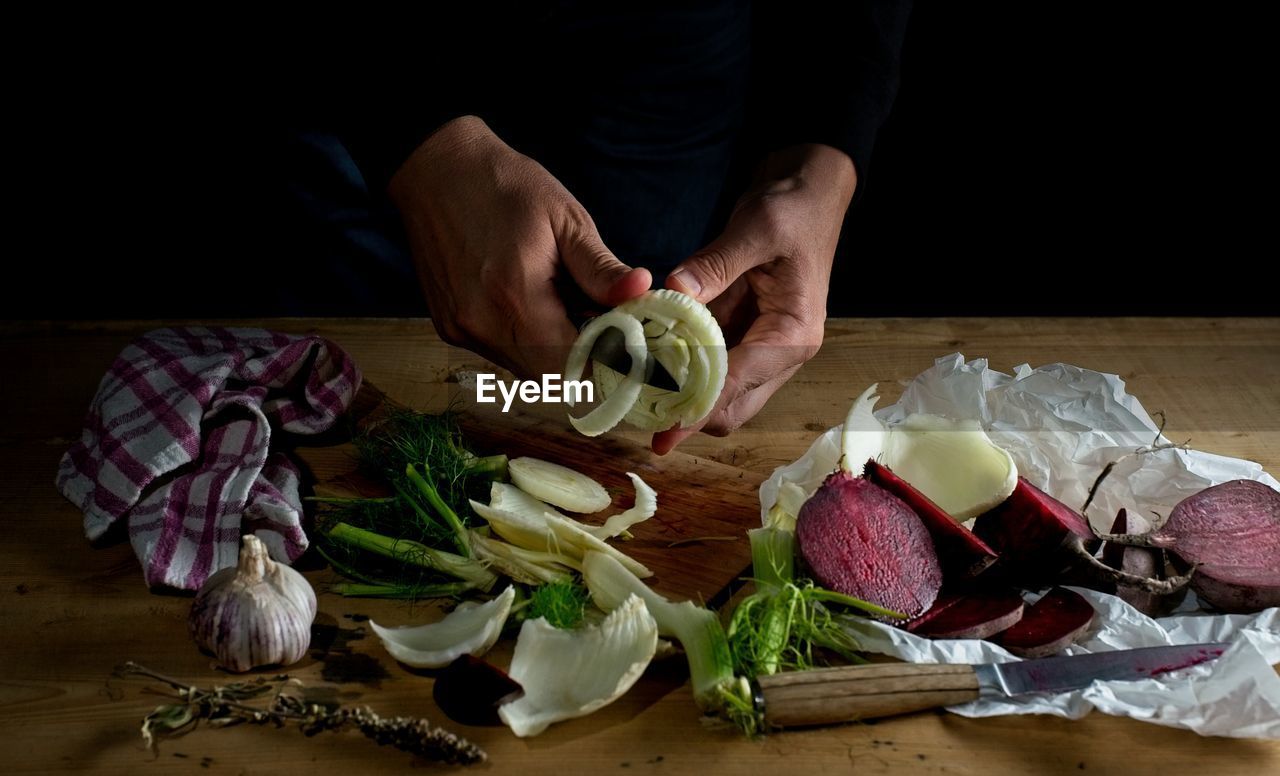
(823, 167)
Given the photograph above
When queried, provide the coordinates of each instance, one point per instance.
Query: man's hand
(499, 243)
(765, 279)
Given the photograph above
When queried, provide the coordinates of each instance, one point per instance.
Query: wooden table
(71, 611)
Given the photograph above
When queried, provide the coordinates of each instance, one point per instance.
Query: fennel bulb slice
(697, 628)
(567, 674)
(862, 438)
(513, 499)
(524, 566)
(471, 629)
(617, 404)
(552, 533)
(645, 507)
(558, 485)
(953, 462)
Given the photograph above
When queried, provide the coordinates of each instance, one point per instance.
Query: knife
(826, 696)
(610, 349)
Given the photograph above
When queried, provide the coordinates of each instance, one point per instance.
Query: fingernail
(686, 279)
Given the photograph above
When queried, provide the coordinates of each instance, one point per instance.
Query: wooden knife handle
(829, 695)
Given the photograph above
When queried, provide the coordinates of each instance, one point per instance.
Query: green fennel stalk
(413, 553)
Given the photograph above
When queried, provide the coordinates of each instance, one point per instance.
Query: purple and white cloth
(178, 437)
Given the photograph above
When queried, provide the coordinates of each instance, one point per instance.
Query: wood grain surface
(71, 611)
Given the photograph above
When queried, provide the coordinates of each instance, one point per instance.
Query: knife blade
(610, 349)
(826, 696)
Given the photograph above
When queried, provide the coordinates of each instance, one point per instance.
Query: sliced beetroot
(959, 552)
(1036, 535)
(969, 615)
(1143, 562)
(1231, 534)
(1050, 625)
(1041, 540)
(861, 540)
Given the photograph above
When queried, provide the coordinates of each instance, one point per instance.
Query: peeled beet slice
(1231, 533)
(975, 615)
(959, 551)
(860, 540)
(1050, 625)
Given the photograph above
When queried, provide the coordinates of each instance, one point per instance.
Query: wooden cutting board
(695, 544)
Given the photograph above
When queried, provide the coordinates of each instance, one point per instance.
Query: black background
(1041, 159)
(1050, 158)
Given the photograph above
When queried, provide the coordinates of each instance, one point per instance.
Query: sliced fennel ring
(683, 337)
(616, 404)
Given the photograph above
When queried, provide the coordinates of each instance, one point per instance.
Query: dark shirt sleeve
(825, 72)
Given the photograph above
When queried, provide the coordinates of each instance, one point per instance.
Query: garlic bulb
(256, 613)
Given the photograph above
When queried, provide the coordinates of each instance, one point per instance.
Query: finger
(735, 408)
(520, 321)
(543, 336)
(594, 267)
(771, 352)
(706, 274)
(748, 404)
(666, 441)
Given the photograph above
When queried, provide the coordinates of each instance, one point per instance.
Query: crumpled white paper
(1062, 424)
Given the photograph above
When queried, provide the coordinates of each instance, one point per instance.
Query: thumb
(596, 270)
(706, 274)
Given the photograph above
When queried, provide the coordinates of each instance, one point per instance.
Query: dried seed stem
(224, 705)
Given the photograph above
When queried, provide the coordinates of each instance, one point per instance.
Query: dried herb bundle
(230, 704)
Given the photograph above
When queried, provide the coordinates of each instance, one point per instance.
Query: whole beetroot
(1231, 533)
(861, 540)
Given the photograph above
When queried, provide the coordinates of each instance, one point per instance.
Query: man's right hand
(493, 235)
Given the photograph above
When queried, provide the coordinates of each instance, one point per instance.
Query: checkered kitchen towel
(177, 440)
